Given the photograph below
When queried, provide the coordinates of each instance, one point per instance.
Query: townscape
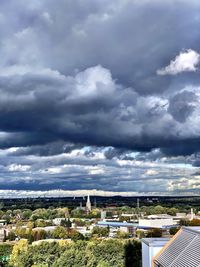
(88, 235)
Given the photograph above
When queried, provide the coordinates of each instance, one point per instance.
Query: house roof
(117, 224)
(183, 250)
(155, 241)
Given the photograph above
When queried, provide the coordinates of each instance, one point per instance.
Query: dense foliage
(94, 253)
(155, 232)
(5, 249)
(187, 222)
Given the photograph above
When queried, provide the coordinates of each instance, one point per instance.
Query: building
(182, 250)
(57, 221)
(3, 222)
(156, 223)
(160, 216)
(118, 226)
(150, 247)
(103, 214)
(83, 230)
(88, 204)
(3, 233)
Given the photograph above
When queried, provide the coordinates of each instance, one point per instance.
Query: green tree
(140, 234)
(132, 253)
(110, 252)
(172, 211)
(39, 214)
(39, 234)
(18, 253)
(174, 230)
(101, 253)
(72, 258)
(100, 231)
(156, 232)
(75, 235)
(184, 222)
(26, 214)
(121, 234)
(45, 253)
(159, 209)
(11, 236)
(66, 223)
(6, 249)
(59, 232)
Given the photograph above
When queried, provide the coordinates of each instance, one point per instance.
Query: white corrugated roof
(182, 251)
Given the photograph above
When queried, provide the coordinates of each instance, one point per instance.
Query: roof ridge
(190, 229)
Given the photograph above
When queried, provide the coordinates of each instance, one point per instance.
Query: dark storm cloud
(42, 95)
(107, 74)
(46, 150)
(113, 152)
(182, 105)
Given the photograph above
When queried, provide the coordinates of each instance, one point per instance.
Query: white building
(160, 216)
(181, 215)
(156, 223)
(83, 230)
(150, 247)
(103, 214)
(57, 221)
(3, 222)
(4, 231)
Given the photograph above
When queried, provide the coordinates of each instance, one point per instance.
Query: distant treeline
(102, 202)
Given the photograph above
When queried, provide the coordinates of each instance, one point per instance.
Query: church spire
(88, 204)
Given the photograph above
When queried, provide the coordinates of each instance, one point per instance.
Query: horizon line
(13, 193)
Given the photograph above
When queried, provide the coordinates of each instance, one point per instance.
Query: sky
(100, 95)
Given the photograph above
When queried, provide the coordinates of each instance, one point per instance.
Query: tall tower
(88, 204)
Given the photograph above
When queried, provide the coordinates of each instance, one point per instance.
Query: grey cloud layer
(76, 73)
(89, 168)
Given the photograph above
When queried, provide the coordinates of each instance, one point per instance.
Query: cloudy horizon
(100, 95)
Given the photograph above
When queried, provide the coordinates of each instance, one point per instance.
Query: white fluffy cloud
(151, 172)
(184, 62)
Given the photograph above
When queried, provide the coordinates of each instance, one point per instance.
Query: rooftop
(155, 242)
(182, 250)
(117, 224)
